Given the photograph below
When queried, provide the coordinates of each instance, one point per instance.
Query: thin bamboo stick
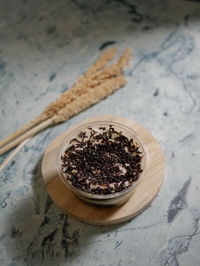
(26, 135)
(10, 157)
(20, 131)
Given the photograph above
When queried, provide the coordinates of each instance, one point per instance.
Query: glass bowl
(116, 198)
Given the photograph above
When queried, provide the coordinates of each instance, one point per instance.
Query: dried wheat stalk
(86, 92)
(88, 99)
(83, 102)
(90, 80)
(87, 81)
(68, 96)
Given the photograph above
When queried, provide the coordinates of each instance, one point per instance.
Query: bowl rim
(135, 136)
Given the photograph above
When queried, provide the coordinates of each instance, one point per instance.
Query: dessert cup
(116, 198)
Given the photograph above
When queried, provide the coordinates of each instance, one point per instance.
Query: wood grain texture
(142, 197)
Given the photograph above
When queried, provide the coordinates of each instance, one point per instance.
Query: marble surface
(44, 47)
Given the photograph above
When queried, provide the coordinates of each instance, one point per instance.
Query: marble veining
(178, 202)
(44, 47)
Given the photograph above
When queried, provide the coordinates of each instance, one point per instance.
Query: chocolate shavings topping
(104, 162)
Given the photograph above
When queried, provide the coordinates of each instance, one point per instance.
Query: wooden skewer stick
(10, 157)
(26, 135)
(19, 131)
(79, 88)
(83, 102)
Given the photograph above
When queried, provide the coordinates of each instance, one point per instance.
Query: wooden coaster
(142, 197)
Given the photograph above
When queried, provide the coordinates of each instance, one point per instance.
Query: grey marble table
(44, 47)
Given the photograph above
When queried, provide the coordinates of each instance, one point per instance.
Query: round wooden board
(142, 197)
